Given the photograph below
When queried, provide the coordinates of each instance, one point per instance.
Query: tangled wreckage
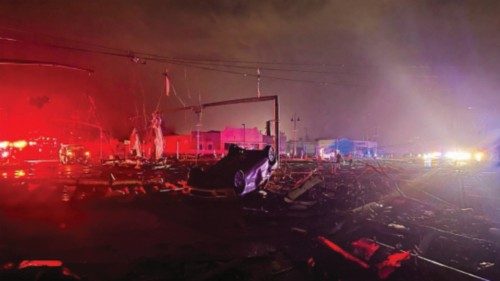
(366, 220)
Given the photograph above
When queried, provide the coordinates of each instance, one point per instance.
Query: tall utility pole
(246, 100)
(244, 134)
(295, 119)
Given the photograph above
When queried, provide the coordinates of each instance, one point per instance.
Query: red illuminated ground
(171, 236)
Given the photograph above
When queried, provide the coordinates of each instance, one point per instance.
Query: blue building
(345, 146)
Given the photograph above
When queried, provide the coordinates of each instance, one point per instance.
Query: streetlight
(295, 119)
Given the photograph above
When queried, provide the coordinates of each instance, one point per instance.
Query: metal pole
(244, 135)
(295, 119)
(177, 150)
(198, 108)
(276, 128)
(100, 144)
(198, 125)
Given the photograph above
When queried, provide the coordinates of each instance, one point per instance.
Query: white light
(478, 156)
(20, 144)
(432, 155)
(458, 155)
(4, 144)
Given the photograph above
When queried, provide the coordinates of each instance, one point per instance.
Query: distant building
(304, 148)
(244, 137)
(180, 143)
(209, 143)
(218, 142)
(356, 148)
(365, 148)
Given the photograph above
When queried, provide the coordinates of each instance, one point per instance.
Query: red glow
(183, 143)
(342, 252)
(367, 247)
(5, 154)
(390, 264)
(38, 263)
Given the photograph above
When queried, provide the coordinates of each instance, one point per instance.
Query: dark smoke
(408, 70)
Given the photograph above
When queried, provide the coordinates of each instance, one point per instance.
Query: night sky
(423, 71)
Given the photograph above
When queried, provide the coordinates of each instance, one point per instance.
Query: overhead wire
(132, 55)
(253, 67)
(230, 63)
(246, 74)
(218, 61)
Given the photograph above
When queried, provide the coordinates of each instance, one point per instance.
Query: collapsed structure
(370, 220)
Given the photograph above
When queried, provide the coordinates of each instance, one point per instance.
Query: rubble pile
(365, 220)
(363, 217)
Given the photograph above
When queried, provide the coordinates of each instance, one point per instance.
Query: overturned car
(241, 169)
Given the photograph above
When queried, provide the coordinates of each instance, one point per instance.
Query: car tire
(271, 154)
(239, 182)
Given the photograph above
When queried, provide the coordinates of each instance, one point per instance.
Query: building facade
(245, 137)
(217, 142)
(344, 146)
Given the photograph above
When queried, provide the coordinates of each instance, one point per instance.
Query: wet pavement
(146, 224)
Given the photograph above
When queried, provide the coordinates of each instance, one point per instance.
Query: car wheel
(239, 181)
(271, 154)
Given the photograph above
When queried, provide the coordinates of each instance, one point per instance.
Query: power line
(44, 64)
(50, 45)
(62, 38)
(131, 55)
(324, 83)
(241, 61)
(236, 63)
(266, 68)
(145, 53)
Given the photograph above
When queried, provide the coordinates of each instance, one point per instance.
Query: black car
(241, 169)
